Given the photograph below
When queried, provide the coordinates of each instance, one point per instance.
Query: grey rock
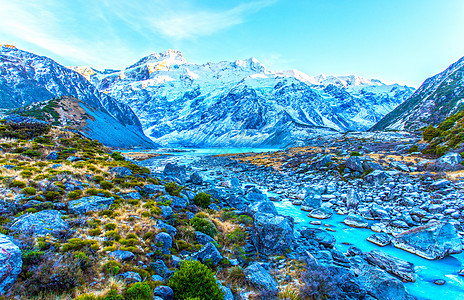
(400, 166)
(176, 260)
(352, 200)
(321, 236)
(203, 239)
(10, 263)
(164, 292)
(272, 234)
(451, 158)
(160, 269)
(87, 204)
(162, 242)
(260, 279)
(157, 278)
(166, 211)
(130, 277)
(354, 220)
(40, 223)
(132, 195)
(321, 213)
(434, 240)
(228, 295)
(171, 230)
(121, 255)
(380, 239)
(52, 156)
(391, 264)
(196, 178)
(263, 207)
(376, 176)
(440, 184)
(154, 189)
(355, 164)
(121, 172)
(176, 171)
(208, 253)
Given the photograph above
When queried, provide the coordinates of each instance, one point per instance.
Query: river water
(427, 271)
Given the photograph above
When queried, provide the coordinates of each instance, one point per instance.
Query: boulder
(260, 279)
(209, 253)
(52, 156)
(10, 263)
(228, 295)
(169, 229)
(440, 184)
(163, 243)
(164, 292)
(121, 172)
(434, 240)
(203, 239)
(40, 223)
(354, 220)
(380, 239)
(121, 255)
(378, 283)
(393, 265)
(130, 277)
(355, 164)
(272, 234)
(262, 207)
(312, 199)
(154, 189)
(399, 166)
(176, 171)
(166, 211)
(451, 158)
(196, 178)
(376, 176)
(321, 236)
(160, 269)
(86, 204)
(321, 213)
(352, 199)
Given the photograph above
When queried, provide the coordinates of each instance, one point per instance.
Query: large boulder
(378, 283)
(260, 279)
(395, 266)
(272, 234)
(321, 236)
(376, 176)
(209, 253)
(355, 164)
(121, 255)
(86, 204)
(163, 243)
(354, 220)
(10, 263)
(352, 199)
(164, 292)
(121, 172)
(263, 207)
(434, 240)
(154, 189)
(321, 213)
(40, 223)
(176, 171)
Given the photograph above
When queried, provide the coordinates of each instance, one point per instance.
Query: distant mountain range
(242, 103)
(26, 78)
(436, 99)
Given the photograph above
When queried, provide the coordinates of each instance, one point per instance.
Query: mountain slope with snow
(27, 78)
(242, 103)
(436, 99)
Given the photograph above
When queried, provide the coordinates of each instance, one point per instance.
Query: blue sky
(403, 41)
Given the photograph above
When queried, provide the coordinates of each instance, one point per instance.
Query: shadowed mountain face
(242, 103)
(437, 98)
(26, 78)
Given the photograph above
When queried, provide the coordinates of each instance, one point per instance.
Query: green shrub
(112, 267)
(430, 133)
(117, 156)
(202, 200)
(95, 231)
(139, 291)
(106, 185)
(52, 195)
(17, 183)
(113, 295)
(413, 149)
(29, 190)
(355, 153)
(173, 189)
(195, 280)
(110, 226)
(87, 297)
(203, 225)
(75, 194)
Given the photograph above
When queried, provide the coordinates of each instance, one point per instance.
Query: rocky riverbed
(384, 219)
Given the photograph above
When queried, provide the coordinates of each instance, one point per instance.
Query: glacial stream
(427, 271)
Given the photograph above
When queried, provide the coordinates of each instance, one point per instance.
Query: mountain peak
(252, 64)
(9, 46)
(162, 60)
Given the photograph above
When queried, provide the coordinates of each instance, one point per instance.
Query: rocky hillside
(437, 98)
(242, 103)
(27, 78)
(92, 122)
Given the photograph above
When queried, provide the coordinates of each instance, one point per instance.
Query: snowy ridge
(242, 103)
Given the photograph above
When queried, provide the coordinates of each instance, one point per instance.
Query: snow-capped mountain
(27, 78)
(437, 98)
(242, 103)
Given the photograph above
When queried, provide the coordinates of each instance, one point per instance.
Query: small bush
(29, 190)
(195, 280)
(202, 200)
(52, 195)
(203, 225)
(113, 295)
(355, 153)
(430, 133)
(117, 156)
(173, 189)
(106, 185)
(110, 226)
(75, 194)
(112, 267)
(87, 297)
(17, 183)
(139, 291)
